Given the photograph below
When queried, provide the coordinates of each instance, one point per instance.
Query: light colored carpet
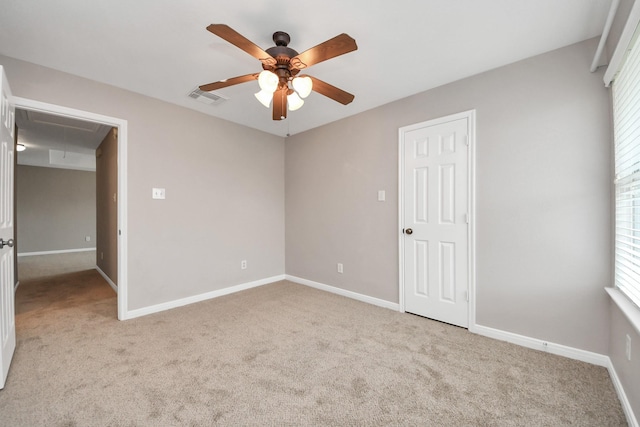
(278, 355)
(40, 266)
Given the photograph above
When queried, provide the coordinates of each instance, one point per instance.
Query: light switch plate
(381, 196)
(157, 193)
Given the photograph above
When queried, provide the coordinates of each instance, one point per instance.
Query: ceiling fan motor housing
(282, 54)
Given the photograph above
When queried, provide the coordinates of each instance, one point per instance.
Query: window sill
(629, 309)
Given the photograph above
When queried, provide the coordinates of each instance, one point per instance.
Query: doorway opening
(113, 146)
(55, 196)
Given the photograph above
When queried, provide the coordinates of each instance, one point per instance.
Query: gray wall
(56, 209)
(224, 185)
(543, 196)
(107, 205)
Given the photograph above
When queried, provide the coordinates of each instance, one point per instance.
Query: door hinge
(466, 218)
(466, 140)
(466, 296)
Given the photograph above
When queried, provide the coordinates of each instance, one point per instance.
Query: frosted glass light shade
(303, 86)
(268, 81)
(21, 147)
(264, 97)
(294, 101)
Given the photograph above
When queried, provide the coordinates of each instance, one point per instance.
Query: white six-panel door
(7, 315)
(435, 215)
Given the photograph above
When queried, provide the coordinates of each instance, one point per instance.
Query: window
(626, 127)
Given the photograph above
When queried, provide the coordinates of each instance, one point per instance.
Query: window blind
(626, 128)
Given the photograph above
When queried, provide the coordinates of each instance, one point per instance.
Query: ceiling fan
(280, 80)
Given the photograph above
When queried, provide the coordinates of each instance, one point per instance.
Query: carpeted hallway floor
(280, 354)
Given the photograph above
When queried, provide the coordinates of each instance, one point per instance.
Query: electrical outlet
(101, 255)
(87, 238)
(628, 347)
(340, 268)
(243, 264)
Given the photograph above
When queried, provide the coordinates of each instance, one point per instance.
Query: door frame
(121, 125)
(470, 115)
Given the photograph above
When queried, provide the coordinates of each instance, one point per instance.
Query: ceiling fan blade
(280, 104)
(339, 45)
(228, 82)
(232, 36)
(332, 92)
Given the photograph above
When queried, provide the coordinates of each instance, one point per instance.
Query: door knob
(408, 231)
(4, 243)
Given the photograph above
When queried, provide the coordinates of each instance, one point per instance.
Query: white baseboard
(105, 277)
(349, 294)
(63, 251)
(131, 314)
(536, 344)
(565, 351)
(624, 401)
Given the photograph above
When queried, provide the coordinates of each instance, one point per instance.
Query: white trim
(628, 308)
(537, 344)
(623, 44)
(123, 221)
(131, 314)
(62, 251)
(622, 396)
(472, 216)
(605, 34)
(342, 292)
(401, 303)
(121, 125)
(107, 279)
(470, 115)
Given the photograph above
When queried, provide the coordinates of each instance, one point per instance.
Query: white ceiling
(161, 48)
(75, 140)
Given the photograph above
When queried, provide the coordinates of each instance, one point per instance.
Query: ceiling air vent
(209, 98)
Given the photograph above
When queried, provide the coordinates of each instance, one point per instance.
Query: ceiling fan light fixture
(303, 85)
(268, 81)
(294, 101)
(265, 97)
(280, 67)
